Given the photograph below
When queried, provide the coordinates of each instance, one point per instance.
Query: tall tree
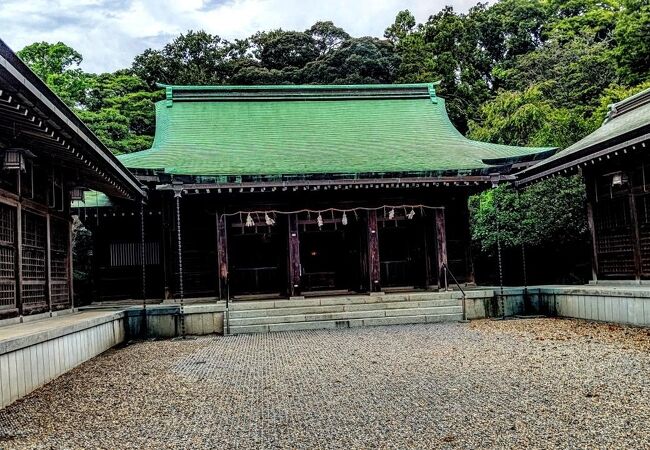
(58, 66)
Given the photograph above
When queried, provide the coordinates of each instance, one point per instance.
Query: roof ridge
(299, 92)
(628, 104)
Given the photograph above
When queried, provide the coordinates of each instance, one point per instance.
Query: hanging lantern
(269, 221)
(319, 220)
(77, 194)
(249, 221)
(391, 214)
(411, 214)
(14, 158)
(344, 219)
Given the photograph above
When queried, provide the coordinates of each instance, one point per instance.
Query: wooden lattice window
(59, 264)
(126, 254)
(33, 260)
(7, 257)
(614, 241)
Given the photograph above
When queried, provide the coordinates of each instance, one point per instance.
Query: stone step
(349, 323)
(344, 315)
(343, 300)
(289, 311)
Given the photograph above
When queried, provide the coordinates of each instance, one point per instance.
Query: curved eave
(571, 161)
(59, 130)
(539, 155)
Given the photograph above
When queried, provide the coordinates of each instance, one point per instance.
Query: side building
(292, 190)
(47, 156)
(613, 161)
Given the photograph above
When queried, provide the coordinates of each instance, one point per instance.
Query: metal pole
(500, 262)
(177, 196)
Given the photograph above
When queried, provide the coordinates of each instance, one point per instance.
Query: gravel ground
(543, 383)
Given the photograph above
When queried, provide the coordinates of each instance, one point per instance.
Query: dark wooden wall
(221, 256)
(35, 242)
(619, 218)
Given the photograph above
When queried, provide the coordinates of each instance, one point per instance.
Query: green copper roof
(93, 199)
(291, 130)
(627, 119)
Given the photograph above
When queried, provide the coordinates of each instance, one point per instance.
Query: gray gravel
(534, 383)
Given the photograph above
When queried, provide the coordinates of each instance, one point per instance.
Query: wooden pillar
(48, 261)
(167, 253)
(594, 243)
(636, 240)
(441, 241)
(590, 183)
(374, 268)
(222, 256)
(295, 267)
(143, 262)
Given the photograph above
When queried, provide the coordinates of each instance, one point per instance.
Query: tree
(58, 66)
(196, 57)
(327, 36)
(552, 210)
(403, 26)
(528, 118)
(119, 108)
(632, 33)
(358, 61)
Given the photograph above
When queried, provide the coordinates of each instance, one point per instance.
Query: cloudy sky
(109, 33)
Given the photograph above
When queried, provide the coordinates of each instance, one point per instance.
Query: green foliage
(552, 210)
(58, 66)
(524, 72)
(528, 118)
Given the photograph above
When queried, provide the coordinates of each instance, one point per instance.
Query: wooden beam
(374, 268)
(441, 240)
(371, 182)
(295, 267)
(222, 255)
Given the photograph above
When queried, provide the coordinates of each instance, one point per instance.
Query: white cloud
(109, 33)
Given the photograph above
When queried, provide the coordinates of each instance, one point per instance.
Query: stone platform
(34, 353)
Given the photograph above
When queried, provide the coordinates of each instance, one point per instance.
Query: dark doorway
(330, 255)
(403, 252)
(257, 259)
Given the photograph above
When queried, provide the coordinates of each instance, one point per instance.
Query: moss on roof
(311, 130)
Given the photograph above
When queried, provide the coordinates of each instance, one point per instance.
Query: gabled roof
(317, 131)
(33, 117)
(626, 124)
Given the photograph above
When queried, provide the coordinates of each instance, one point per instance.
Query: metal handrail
(448, 271)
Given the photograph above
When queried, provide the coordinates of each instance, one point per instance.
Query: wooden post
(143, 262)
(441, 240)
(590, 183)
(374, 268)
(594, 243)
(48, 261)
(636, 241)
(167, 253)
(222, 256)
(295, 268)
